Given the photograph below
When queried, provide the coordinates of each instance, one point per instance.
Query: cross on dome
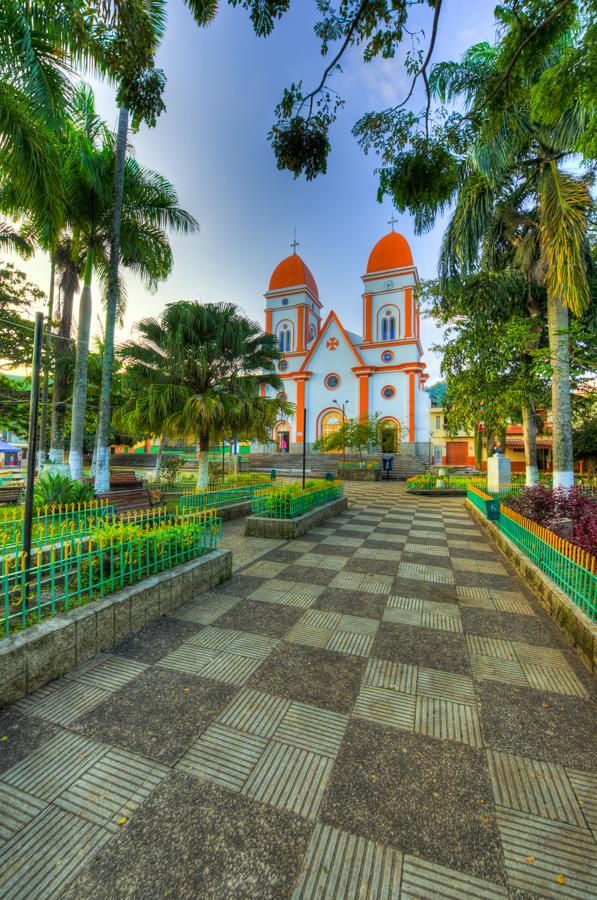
(392, 221)
(295, 243)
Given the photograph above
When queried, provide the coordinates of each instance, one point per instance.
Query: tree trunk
(203, 471)
(490, 442)
(478, 443)
(43, 425)
(62, 374)
(529, 432)
(158, 462)
(93, 468)
(75, 459)
(559, 351)
(102, 478)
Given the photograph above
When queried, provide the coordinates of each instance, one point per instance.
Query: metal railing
(292, 502)
(77, 570)
(222, 494)
(429, 482)
(571, 568)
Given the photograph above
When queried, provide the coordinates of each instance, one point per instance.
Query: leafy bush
(55, 489)
(247, 478)
(171, 466)
(556, 509)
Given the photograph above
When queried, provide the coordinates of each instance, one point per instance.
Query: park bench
(125, 501)
(10, 495)
(123, 481)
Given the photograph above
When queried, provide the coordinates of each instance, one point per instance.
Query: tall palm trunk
(559, 351)
(43, 425)
(62, 372)
(529, 434)
(158, 462)
(478, 444)
(75, 459)
(102, 477)
(203, 471)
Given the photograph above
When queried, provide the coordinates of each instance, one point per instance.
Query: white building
(325, 367)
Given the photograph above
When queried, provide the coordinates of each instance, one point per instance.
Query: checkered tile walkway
(376, 710)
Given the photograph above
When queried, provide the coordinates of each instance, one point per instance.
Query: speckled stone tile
(353, 603)
(514, 627)
(439, 814)
(157, 715)
(273, 620)
(545, 726)
(325, 679)
(157, 639)
(20, 735)
(195, 839)
(442, 650)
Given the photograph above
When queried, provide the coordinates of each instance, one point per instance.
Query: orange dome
(391, 252)
(292, 272)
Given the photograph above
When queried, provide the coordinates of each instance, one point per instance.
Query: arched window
(284, 336)
(388, 324)
(330, 422)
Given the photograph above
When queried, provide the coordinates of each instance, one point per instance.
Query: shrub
(549, 507)
(171, 466)
(55, 489)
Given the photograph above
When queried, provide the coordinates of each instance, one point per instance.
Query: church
(330, 372)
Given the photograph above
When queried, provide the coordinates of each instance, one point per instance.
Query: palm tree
(201, 369)
(510, 148)
(69, 270)
(204, 11)
(149, 208)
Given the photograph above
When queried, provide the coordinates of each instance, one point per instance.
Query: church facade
(329, 372)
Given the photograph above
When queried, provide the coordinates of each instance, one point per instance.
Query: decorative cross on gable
(331, 343)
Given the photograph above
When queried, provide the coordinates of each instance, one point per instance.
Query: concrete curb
(572, 621)
(41, 653)
(286, 529)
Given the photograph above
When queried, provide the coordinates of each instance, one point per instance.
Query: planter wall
(41, 653)
(286, 529)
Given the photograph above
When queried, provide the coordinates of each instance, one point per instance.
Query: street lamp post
(343, 411)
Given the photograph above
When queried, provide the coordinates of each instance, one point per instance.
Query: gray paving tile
(424, 880)
(341, 866)
(290, 778)
(43, 774)
(584, 785)
(386, 707)
(310, 728)
(448, 720)
(539, 788)
(393, 676)
(18, 808)
(112, 788)
(28, 867)
(62, 702)
(254, 712)
(223, 755)
(551, 859)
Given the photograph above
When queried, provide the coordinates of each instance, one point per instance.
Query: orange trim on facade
(268, 321)
(262, 390)
(367, 329)
(300, 409)
(324, 412)
(411, 407)
(288, 292)
(300, 330)
(408, 310)
(375, 276)
(334, 317)
(374, 344)
(363, 396)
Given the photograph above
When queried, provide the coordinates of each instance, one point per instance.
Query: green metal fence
(78, 571)
(571, 568)
(221, 494)
(52, 527)
(429, 482)
(292, 502)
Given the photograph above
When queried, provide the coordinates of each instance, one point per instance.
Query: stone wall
(41, 653)
(573, 622)
(286, 529)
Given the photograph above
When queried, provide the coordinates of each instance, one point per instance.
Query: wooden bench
(128, 500)
(10, 495)
(124, 482)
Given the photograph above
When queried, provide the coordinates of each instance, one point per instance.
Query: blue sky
(223, 84)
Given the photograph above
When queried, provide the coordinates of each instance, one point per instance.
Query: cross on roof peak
(392, 221)
(295, 243)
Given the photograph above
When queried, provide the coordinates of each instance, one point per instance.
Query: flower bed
(569, 514)
(114, 555)
(290, 501)
(429, 482)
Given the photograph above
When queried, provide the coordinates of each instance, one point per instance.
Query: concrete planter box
(41, 653)
(572, 621)
(358, 474)
(286, 529)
